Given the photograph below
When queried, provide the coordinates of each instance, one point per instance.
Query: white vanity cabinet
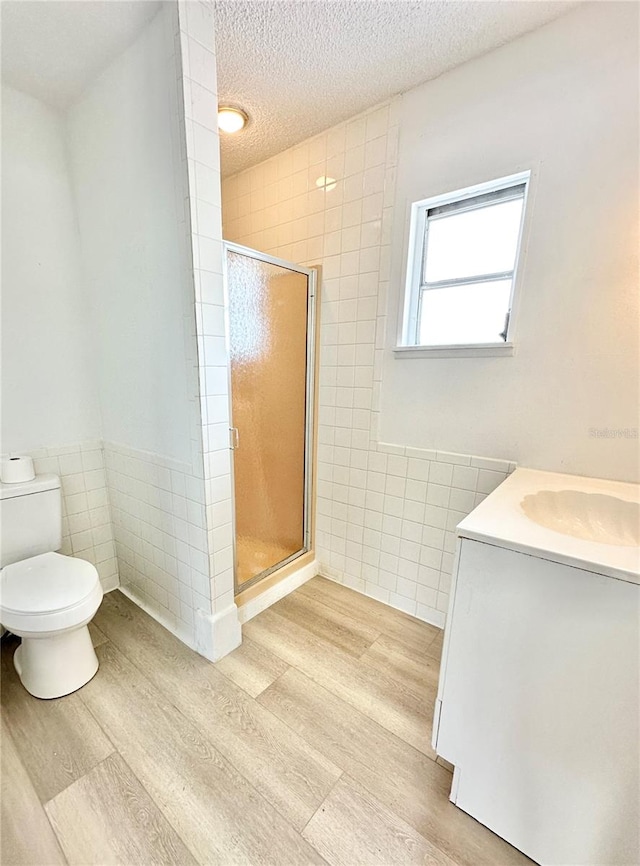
(539, 702)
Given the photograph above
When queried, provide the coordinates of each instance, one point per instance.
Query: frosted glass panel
(480, 241)
(268, 347)
(472, 313)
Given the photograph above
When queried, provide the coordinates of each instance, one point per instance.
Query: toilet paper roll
(16, 469)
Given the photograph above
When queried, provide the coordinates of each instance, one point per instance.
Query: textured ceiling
(296, 66)
(53, 48)
(300, 66)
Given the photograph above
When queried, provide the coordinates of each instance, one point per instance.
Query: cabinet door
(540, 705)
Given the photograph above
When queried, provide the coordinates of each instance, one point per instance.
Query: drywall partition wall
(563, 102)
(125, 149)
(217, 627)
(49, 394)
(127, 144)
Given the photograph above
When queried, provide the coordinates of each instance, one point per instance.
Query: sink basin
(590, 516)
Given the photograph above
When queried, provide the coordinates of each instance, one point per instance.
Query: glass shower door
(270, 343)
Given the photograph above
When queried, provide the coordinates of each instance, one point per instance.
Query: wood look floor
(309, 744)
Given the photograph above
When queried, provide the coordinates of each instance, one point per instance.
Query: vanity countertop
(500, 519)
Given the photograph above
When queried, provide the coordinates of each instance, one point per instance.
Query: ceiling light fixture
(231, 119)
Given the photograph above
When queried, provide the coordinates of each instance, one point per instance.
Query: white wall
(49, 385)
(124, 142)
(129, 155)
(146, 271)
(49, 396)
(562, 101)
(387, 512)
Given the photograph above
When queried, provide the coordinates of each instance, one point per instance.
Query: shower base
(255, 556)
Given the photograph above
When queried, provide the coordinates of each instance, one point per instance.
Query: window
(463, 256)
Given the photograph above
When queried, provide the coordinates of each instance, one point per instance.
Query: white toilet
(45, 598)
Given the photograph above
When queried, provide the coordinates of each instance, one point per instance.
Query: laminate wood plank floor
(389, 701)
(119, 819)
(283, 767)
(416, 636)
(310, 744)
(251, 667)
(58, 741)
(25, 834)
(352, 827)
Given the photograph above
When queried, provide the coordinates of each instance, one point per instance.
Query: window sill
(484, 350)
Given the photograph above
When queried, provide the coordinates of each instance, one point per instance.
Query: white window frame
(407, 345)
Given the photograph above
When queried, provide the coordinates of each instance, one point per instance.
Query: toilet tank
(30, 518)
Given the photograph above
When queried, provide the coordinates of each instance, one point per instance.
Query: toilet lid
(46, 583)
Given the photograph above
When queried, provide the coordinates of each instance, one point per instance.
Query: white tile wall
(217, 627)
(86, 518)
(386, 513)
(159, 527)
(204, 213)
(389, 530)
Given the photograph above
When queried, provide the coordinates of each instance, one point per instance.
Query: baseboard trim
(217, 634)
(185, 637)
(436, 618)
(274, 593)
(110, 583)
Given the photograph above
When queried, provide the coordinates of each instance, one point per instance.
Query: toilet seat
(48, 592)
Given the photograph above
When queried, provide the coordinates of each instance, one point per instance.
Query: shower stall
(271, 333)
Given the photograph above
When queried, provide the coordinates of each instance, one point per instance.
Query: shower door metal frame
(312, 277)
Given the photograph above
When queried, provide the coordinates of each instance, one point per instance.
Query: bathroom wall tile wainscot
(393, 538)
(86, 514)
(217, 628)
(159, 528)
(386, 514)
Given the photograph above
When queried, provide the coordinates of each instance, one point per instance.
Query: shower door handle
(235, 438)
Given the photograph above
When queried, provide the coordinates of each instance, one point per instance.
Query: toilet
(46, 598)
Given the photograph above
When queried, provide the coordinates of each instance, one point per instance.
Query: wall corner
(217, 634)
